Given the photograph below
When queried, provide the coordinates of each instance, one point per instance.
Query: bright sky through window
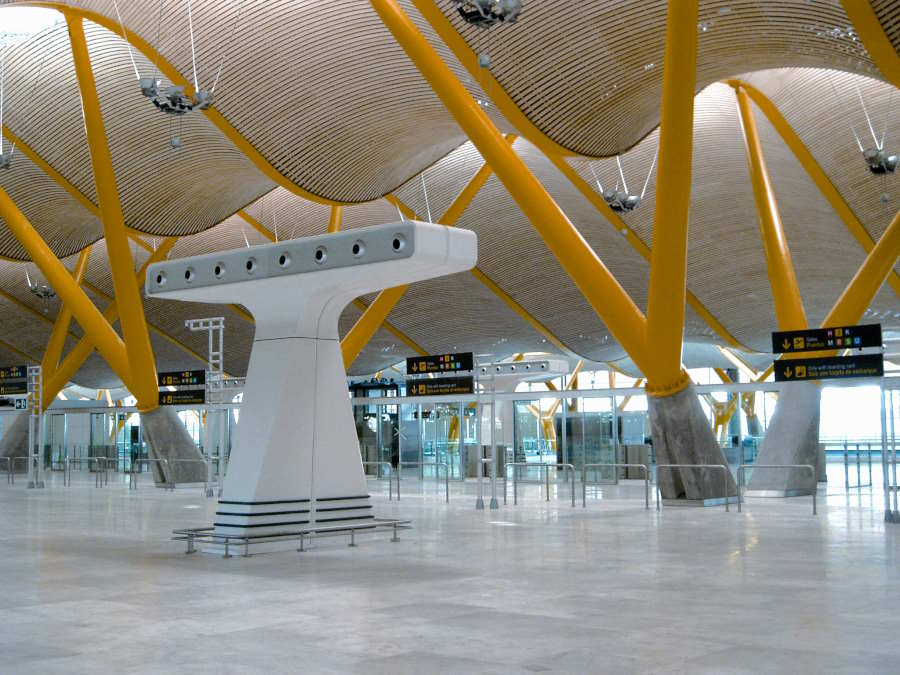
(17, 23)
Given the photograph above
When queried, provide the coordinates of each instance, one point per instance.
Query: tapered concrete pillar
(792, 438)
(682, 435)
(14, 441)
(167, 439)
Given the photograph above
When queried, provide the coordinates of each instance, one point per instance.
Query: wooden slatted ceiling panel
(443, 182)
(42, 105)
(822, 106)
(888, 13)
(589, 73)
(316, 87)
(166, 191)
(64, 223)
(458, 313)
(514, 256)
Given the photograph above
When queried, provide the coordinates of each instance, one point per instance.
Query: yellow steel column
(364, 328)
(668, 260)
(109, 344)
(624, 319)
(785, 291)
(134, 325)
(56, 381)
(859, 294)
(814, 171)
(871, 34)
(61, 326)
(334, 220)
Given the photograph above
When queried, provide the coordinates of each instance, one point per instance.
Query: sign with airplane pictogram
(821, 339)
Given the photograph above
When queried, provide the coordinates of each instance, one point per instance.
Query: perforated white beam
(295, 461)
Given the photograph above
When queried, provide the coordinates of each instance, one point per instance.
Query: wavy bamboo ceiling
(328, 99)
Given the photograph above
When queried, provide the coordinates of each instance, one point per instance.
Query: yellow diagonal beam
(668, 259)
(364, 328)
(814, 171)
(82, 350)
(134, 326)
(109, 344)
(58, 335)
(861, 290)
(871, 34)
(334, 218)
(782, 278)
(469, 60)
(173, 75)
(632, 238)
(602, 291)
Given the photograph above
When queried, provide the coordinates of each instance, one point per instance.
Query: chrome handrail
(207, 483)
(424, 464)
(9, 470)
(546, 466)
(132, 480)
(67, 470)
(744, 467)
(390, 478)
(720, 467)
(209, 536)
(646, 469)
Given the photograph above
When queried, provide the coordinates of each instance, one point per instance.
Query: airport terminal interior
(450, 336)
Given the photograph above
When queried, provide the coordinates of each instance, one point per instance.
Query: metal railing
(18, 459)
(743, 468)
(718, 467)
(132, 475)
(207, 480)
(546, 466)
(390, 473)
(859, 483)
(584, 470)
(9, 470)
(207, 535)
(99, 473)
(436, 465)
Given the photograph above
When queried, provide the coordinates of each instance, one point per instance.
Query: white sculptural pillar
(295, 460)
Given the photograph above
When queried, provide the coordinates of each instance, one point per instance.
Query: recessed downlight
(219, 270)
(250, 265)
(320, 255)
(399, 243)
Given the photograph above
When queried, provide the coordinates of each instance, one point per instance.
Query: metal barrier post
(846, 468)
(547, 482)
(646, 469)
(696, 466)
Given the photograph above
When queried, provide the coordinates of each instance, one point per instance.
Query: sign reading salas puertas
(13, 373)
(818, 339)
(442, 386)
(181, 378)
(440, 364)
(829, 368)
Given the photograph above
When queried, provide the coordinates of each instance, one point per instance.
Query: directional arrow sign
(820, 339)
(833, 367)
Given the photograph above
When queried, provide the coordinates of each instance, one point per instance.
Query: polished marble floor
(92, 584)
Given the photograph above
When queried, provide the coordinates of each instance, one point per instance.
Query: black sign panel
(440, 363)
(183, 397)
(181, 378)
(8, 388)
(21, 404)
(833, 367)
(441, 386)
(818, 339)
(13, 373)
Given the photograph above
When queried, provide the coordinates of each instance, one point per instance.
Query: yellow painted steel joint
(668, 388)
